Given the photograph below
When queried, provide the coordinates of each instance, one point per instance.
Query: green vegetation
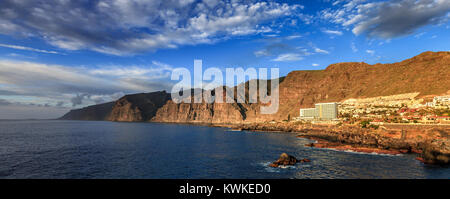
(364, 124)
(442, 112)
(373, 126)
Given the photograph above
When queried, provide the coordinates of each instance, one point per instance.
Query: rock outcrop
(286, 160)
(138, 107)
(436, 151)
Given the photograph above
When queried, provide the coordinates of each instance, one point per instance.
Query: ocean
(99, 149)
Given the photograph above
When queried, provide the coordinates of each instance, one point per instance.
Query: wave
(360, 153)
(281, 168)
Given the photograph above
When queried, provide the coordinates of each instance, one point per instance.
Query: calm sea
(84, 149)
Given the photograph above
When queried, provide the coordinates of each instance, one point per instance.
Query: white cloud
(353, 46)
(261, 53)
(318, 50)
(284, 52)
(293, 37)
(7, 27)
(419, 35)
(388, 19)
(314, 64)
(371, 52)
(27, 49)
(125, 27)
(160, 70)
(336, 2)
(288, 57)
(333, 32)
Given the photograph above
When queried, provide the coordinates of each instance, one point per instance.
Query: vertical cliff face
(201, 112)
(427, 73)
(138, 107)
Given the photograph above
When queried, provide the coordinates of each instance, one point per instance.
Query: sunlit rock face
(138, 107)
(426, 74)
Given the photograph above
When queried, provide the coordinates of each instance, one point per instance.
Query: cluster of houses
(374, 110)
(414, 115)
(439, 102)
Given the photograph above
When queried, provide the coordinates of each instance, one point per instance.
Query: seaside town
(401, 109)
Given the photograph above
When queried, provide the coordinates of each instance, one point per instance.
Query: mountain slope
(95, 112)
(138, 107)
(427, 73)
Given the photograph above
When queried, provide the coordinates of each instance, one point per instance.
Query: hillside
(95, 112)
(427, 73)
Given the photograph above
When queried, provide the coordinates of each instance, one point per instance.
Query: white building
(325, 111)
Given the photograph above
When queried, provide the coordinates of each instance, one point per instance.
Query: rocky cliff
(427, 73)
(95, 112)
(138, 107)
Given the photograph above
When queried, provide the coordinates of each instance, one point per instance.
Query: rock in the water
(273, 165)
(305, 160)
(285, 160)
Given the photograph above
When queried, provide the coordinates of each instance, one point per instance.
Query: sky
(58, 55)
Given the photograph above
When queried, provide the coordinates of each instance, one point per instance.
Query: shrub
(374, 126)
(364, 124)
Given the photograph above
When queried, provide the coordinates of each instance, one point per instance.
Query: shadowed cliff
(95, 112)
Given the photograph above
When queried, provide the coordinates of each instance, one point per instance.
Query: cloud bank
(125, 27)
(387, 19)
(56, 85)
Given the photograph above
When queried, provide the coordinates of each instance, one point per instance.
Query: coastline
(236, 154)
(430, 143)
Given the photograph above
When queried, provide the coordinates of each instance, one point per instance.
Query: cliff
(95, 112)
(138, 107)
(427, 73)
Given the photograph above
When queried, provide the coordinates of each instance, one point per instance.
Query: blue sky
(59, 55)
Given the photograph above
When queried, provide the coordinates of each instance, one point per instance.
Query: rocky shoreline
(430, 143)
(320, 143)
